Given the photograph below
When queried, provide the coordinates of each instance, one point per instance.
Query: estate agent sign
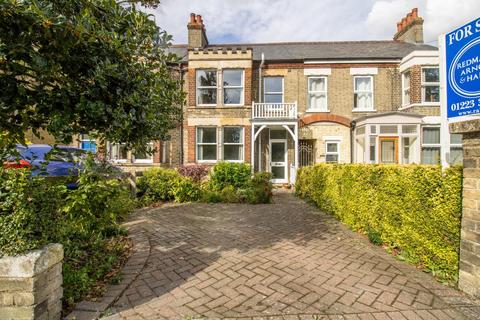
(460, 50)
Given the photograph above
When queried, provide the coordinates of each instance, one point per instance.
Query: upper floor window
(233, 86)
(430, 84)
(317, 93)
(363, 93)
(273, 90)
(207, 144)
(406, 88)
(233, 144)
(206, 87)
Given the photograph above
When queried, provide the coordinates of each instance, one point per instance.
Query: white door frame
(285, 142)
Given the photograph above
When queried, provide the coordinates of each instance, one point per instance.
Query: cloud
(309, 20)
(439, 16)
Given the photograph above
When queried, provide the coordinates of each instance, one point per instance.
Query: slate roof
(302, 51)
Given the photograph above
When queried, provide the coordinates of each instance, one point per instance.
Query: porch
(275, 140)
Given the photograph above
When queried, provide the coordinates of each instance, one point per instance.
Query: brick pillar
(31, 284)
(469, 273)
(248, 86)
(157, 154)
(191, 145)
(191, 88)
(416, 84)
(248, 143)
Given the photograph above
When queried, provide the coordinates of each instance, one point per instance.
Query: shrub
(35, 211)
(230, 174)
(194, 171)
(158, 184)
(185, 190)
(415, 210)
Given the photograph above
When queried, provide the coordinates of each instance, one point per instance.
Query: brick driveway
(286, 260)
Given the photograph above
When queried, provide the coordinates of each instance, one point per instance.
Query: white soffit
(363, 71)
(421, 58)
(317, 72)
(431, 120)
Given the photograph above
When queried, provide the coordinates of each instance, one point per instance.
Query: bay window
(206, 87)
(233, 144)
(317, 93)
(273, 90)
(233, 87)
(456, 150)
(430, 84)
(431, 145)
(207, 144)
(363, 93)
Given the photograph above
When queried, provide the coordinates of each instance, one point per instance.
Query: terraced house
(279, 106)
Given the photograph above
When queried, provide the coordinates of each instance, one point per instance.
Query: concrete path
(285, 260)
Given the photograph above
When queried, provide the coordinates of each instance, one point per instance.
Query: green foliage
(415, 210)
(229, 183)
(35, 211)
(158, 184)
(226, 174)
(84, 66)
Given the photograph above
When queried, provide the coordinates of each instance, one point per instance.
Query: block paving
(285, 260)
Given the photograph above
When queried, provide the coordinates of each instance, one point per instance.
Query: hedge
(414, 211)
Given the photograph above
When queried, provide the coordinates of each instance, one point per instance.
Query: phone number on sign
(465, 105)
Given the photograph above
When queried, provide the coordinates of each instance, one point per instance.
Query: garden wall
(414, 211)
(31, 284)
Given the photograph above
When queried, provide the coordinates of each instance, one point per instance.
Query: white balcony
(274, 111)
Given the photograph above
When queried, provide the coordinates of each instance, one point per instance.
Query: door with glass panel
(388, 150)
(278, 160)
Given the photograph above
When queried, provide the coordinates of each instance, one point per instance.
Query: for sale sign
(461, 63)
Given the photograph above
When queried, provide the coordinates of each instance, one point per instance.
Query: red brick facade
(319, 117)
(191, 145)
(191, 87)
(248, 86)
(248, 143)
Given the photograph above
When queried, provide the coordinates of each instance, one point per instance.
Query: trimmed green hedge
(415, 211)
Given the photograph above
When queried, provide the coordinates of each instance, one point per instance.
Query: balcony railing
(274, 110)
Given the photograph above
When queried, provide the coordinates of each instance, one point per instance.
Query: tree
(85, 66)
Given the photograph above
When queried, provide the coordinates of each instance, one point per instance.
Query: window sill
(364, 110)
(316, 111)
(207, 161)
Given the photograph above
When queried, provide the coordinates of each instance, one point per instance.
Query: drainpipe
(262, 63)
(352, 129)
(182, 74)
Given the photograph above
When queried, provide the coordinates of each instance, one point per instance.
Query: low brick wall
(469, 274)
(31, 284)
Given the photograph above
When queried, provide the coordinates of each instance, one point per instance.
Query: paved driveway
(286, 260)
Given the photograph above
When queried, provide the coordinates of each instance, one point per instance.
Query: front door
(388, 150)
(278, 160)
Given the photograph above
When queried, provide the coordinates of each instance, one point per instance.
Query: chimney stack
(197, 35)
(410, 28)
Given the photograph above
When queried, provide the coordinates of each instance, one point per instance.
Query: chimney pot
(399, 26)
(200, 20)
(192, 17)
(415, 12)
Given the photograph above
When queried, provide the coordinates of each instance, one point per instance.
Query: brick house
(279, 106)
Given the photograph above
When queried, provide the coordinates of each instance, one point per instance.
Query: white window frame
(198, 87)
(119, 160)
(406, 88)
(429, 145)
(265, 92)
(356, 92)
(429, 84)
(337, 153)
(242, 144)
(309, 107)
(197, 144)
(144, 160)
(242, 86)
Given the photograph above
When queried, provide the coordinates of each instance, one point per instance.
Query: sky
(259, 21)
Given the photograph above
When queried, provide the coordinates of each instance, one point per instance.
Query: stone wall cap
(465, 127)
(31, 263)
